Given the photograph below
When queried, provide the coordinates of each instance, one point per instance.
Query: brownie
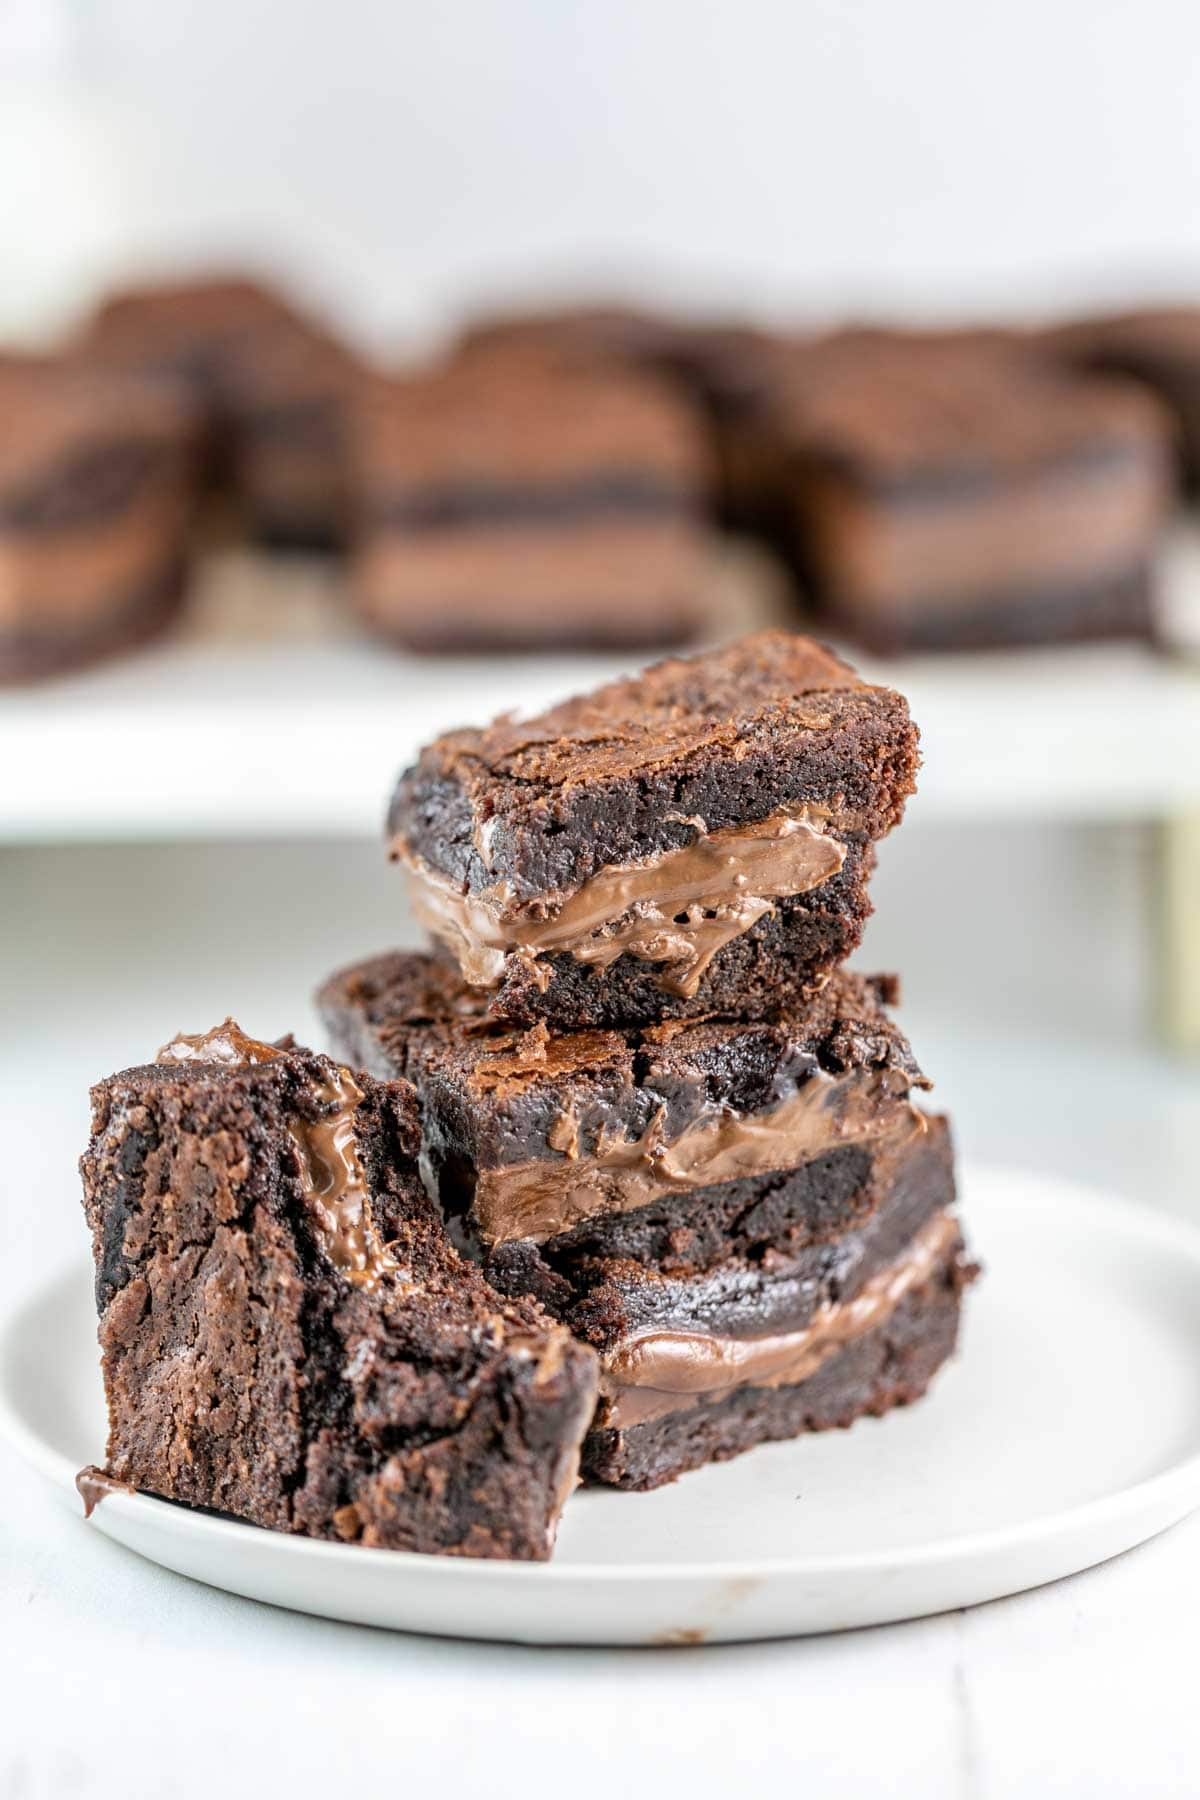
(694, 840)
(673, 1146)
(705, 1363)
(1158, 346)
(509, 503)
(273, 386)
(953, 490)
(95, 512)
(287, 1334)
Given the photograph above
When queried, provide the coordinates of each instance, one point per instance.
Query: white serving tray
(269, 715)
(1067, 1430)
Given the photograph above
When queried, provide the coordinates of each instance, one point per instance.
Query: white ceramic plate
(1068, 1430)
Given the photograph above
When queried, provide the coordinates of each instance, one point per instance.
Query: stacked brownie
(626, 1175)
(652, 1099)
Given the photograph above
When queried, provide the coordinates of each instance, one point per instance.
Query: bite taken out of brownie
(694, 840)
(287, 1334)
(670, 1146)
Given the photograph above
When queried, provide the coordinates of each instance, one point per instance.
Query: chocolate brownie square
(697, 839)
(952, 490)
(287, 1334)
(671, 1146)
(96, 505)
(508, 503)
(719, 366)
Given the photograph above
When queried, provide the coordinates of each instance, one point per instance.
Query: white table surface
(269, 715)
(117, 1678)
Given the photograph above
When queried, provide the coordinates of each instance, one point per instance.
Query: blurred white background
(403, 159)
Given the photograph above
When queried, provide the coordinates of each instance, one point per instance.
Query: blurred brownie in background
(96, 492)
(272, 386)
(717, 367)
(949, 490)
(1160, 347)
(508, 502)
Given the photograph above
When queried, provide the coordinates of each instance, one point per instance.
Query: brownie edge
(287, 1334)
(694, 840)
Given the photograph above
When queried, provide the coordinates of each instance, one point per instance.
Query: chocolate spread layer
(543, 1197)
(678, 908)
(335, 1187)
(652, 1374)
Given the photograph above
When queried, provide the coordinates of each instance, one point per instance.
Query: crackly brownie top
(900, 407)
(505, 418)
(409, 1014)
(769, 680)
(649, 763)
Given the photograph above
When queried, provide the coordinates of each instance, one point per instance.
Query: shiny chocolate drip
(226, 1044)
(650, 1375)
(95, 1485)
(335, 1185)
(547, 1195)
(678, 908)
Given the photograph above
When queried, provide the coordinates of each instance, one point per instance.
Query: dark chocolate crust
(619, 777)
(493, 1097)
(246, 1371)
(892, 1365)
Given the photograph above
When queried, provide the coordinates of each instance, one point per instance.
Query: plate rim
(1166, 1230)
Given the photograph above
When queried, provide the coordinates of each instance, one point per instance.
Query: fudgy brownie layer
(35, 651)
(759, 1288)
(889, 1366)
(674, 1144)
(778, 962)
(694, 840)
(288, 1336)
